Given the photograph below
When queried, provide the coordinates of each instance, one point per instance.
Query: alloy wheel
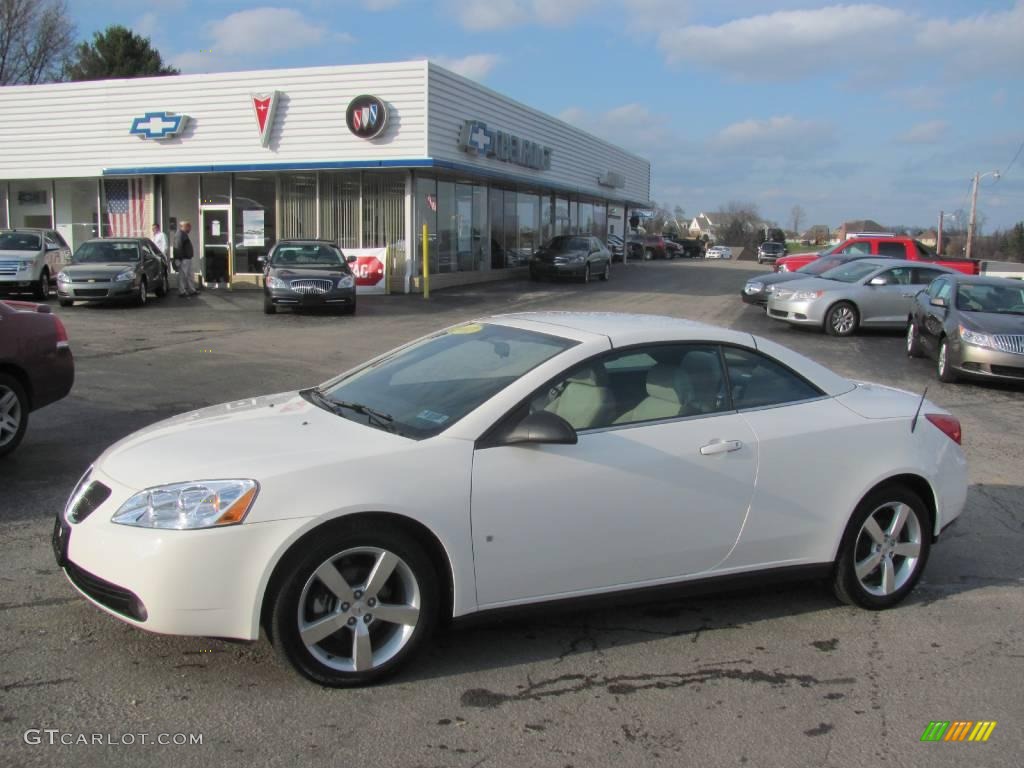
(359, 609)
(888, 549)
(842, 320)
(10, 415)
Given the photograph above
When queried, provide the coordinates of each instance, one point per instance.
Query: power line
(1021, 147)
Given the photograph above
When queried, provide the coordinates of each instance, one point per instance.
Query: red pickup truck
(885, 246)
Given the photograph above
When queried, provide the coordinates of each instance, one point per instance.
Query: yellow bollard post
(426, 264)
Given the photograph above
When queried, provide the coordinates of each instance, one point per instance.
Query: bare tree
(35, 39)
(796, 215)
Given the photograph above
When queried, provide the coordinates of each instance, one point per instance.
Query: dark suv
(769, 252)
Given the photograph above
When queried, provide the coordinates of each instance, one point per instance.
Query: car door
(150, 265)
(53, 253)
(887, 303)
(656, 488)
(930, 327)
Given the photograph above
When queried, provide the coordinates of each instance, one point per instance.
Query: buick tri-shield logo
(366, 116)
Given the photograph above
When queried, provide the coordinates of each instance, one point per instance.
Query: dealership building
(363, 155)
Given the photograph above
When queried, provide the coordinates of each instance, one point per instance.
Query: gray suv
(30, 260)
(769, 252)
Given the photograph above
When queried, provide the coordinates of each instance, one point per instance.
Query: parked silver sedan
(870, 293)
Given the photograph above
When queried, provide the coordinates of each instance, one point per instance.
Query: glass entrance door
(216, 246)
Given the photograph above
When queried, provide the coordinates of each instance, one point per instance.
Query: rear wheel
(13, 413)
(913, 340)
(841, 319)
(943, 368)
(356, 607)
(41, 290)
(884, 549)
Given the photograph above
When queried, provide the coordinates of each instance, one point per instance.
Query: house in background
(857, 226)
(710, 224)
(816, 235)
(928, 237)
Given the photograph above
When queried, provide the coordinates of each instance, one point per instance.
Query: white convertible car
(513, 460)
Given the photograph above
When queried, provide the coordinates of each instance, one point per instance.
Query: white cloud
(476, 66)
(147, 25)
(495, 14)
(931, 132)
(267, 30)
(381, 5)
(779, 136)
(920, 98)
(986, 43)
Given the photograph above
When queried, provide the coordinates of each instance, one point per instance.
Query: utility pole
(974, 208)
(938, 241)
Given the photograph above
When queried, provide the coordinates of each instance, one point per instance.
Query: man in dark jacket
(183, 260)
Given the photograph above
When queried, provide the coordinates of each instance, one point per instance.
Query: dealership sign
(370, 268)
(264, 107)
(366, 116)
(158, 125)
(477, 139)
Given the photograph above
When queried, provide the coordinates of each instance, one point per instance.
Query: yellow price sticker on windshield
(468, 328)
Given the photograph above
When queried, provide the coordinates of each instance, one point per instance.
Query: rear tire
(943, 369)
(315, 587)
(41, 290)
(841, 319)
(14, 409)
(884, 550)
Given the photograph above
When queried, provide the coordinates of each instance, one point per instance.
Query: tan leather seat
(666, 393)
(586, 402)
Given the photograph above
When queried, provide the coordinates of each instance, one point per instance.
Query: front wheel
(606, 275)
(41, 290)
(943, 368)
(143, 294)
(268, 306)
(161, 289)
(13, 413)
(586, 274)
(841, 319)
(913, 340)
(648, 255)
(65, 302)
(884, 549)
(355, 607)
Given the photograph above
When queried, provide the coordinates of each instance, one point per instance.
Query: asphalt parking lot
(779, 676)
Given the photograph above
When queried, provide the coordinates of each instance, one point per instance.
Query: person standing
(159, 239)
(183, 258)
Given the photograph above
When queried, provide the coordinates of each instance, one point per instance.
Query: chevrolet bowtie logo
(158, 125)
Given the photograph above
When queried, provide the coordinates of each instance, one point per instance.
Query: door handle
(720, 446)
(908, 295)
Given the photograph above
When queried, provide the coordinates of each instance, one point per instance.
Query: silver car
(114, 269)
(869, 293)
(30, 260)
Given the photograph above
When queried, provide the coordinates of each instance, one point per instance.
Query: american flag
(126, 207)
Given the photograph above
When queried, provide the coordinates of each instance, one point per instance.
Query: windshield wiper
(373, 416)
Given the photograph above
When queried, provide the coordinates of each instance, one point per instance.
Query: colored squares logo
(958, 730)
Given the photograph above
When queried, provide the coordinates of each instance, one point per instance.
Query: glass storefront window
(545, 218)
(481, 231)
(383, 210)
(298, 205)
(75, 203)
(497, 217)
(215, 189)
(529, 226)
(426, 213)
(464, 228)
(446, 233)
(511, 240)
(586, 214)
(3, 205)
(561, 226)
(30, 204)
(255, 230)
(600, 230)
(574, 218)
(339, 208)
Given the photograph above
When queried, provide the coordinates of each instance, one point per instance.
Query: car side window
(638, 385)
(925, 275)
(897, 276)
(59, 240)
(935, 287)
(758, 381)
(856, 247)
(892, 250)
(945, 290)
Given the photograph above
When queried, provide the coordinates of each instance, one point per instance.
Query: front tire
(41, 290)
(143, 295)
(161, 290)
(65, 302)
(913, 340)
(606, 275)
(355, 607)
(884, 550)
(14, 409)
(648, 255)
(943, 369)
(841, 319)
(269, 307)
(586, 274)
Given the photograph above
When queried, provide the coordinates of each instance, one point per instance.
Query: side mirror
(877, 281)
(350, 259)
(541, 427)
(261, 260)
(937, 302)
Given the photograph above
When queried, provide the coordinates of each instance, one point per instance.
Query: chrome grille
(1010, 343)
(89, 280)
(8, 268)
(312, 285)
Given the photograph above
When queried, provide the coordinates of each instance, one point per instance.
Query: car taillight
(62, 333)
(948, 424)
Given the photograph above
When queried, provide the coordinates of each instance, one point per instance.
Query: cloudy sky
(880, 111)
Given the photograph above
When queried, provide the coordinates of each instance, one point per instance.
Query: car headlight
(276, 282)
(783, 267)
(25, 266)
(753, 287)
(125, 276)
(346, 282)
(977, 339)
(63, 277)
(807, 295)
(576, 258)
(187, 506)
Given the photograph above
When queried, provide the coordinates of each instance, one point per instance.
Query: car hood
(103, 270)
(816, 284)
(777, 277)
(299, 273)
(251, 438)
(992, 322)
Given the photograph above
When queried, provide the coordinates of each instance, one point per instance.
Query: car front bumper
(97, 291)
(548, 269)
(796, 312)
(206, 582)
(338, 298)
(757, 297)
(985, 362)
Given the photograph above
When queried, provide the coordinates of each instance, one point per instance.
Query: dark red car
(36, 366)
(661, 247)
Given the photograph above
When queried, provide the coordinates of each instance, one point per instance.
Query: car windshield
(771, 247)
(852, 272)
(309, 256)
(982, 297)
(106, 252)
(422, 389)
(818, 266)
(564, 243)
(19, 241)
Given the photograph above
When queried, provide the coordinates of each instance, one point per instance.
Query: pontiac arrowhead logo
(366, 116)
(264, 105)
(158, 125)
